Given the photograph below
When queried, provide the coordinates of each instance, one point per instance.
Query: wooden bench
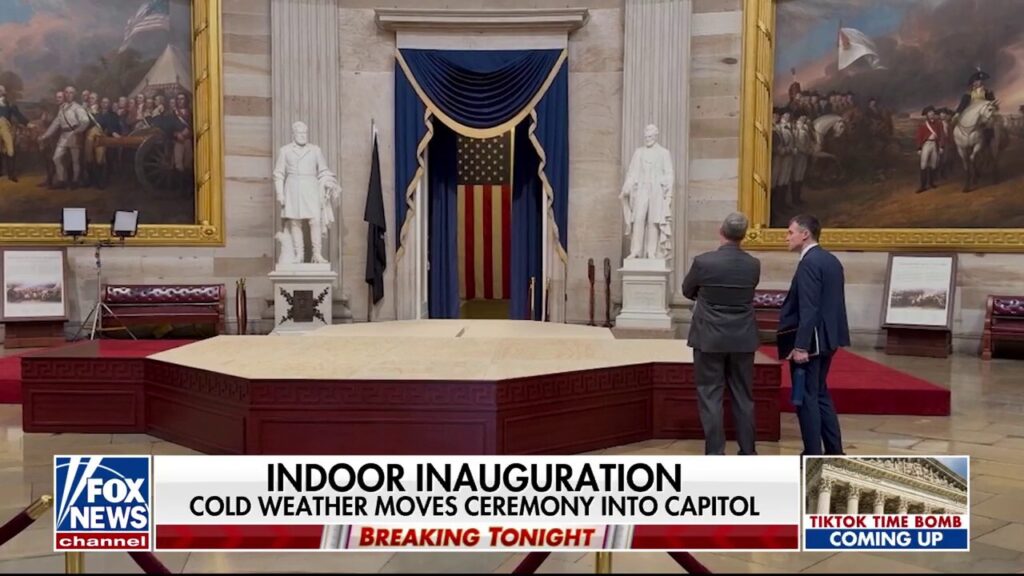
(767, 308)
(173, 304)
(1004, 322)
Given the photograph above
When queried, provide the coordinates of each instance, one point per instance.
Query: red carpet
(10, 366)
(10, 380)
(861, 386)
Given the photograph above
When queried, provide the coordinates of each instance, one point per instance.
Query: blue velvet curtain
(409, 131)
(527, 227)
(552, 132)
(442, 174)
(481, 90)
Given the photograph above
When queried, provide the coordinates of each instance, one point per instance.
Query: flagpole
(369, 287)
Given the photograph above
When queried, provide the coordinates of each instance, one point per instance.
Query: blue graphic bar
(881, 539)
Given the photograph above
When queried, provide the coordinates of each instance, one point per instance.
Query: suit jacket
(816, 302)
(722, 282)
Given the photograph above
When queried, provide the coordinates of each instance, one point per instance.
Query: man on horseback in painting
(976, 90)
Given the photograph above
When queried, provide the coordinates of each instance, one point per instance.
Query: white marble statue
(306, 190)
(647, 199)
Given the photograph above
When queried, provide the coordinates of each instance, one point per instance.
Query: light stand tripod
(96, 315)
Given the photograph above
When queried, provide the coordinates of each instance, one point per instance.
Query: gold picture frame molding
(208, 160)
(755, 167)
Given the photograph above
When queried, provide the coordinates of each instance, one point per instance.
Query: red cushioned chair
(1004, 322)
(173, 304)
(767, 307)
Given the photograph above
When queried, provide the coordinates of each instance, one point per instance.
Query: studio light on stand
(74, 222)
(124, 224)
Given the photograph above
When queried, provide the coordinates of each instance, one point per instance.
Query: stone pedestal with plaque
(302, 297)
(644, 295)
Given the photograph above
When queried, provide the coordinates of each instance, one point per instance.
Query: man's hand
(799, 356)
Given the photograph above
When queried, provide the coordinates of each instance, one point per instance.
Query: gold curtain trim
(482, 132)
(410, 189)
(549, 193)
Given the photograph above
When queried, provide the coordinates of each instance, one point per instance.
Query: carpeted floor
(862, 386)
(10, 380)
(10, 365)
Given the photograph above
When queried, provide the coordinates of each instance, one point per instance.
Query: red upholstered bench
(767, 307)
(174, 304)
(1004, 321)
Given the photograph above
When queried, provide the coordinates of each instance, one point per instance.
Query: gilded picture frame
(759, 43)
(208, 228)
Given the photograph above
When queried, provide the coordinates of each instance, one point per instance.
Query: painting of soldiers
(104, 123)
(923, 118)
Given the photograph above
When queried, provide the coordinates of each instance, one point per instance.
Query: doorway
(485, 229)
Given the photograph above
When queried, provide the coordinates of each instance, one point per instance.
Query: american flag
(485, 214)
(153, 15)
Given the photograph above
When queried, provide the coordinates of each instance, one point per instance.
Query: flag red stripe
(470, 248)
(488, 243)
(506, 238)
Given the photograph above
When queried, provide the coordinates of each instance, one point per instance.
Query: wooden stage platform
(427, 387)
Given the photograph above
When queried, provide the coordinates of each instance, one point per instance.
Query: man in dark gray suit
(723, 334)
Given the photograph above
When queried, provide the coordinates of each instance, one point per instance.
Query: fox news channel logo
(102, 503)
(887, 503)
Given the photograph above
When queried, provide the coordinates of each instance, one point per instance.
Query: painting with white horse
(899, 113)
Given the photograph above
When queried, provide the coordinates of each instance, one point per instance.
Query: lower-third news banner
(887, 503)
(476, 503)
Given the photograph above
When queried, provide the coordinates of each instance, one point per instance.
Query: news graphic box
(887, 503)
(476, 503)
(102, 503)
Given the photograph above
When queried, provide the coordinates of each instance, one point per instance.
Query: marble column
(853, 500)
(825, 495)
(879, 503)
(306, 86)
(655, 90)
(903, 505)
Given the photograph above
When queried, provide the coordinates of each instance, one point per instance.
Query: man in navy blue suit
(816, 309)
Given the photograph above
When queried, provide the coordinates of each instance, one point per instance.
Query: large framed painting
(899, 124)
(111, 105)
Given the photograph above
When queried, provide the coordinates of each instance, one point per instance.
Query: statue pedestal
(644, 295)
(302, 297)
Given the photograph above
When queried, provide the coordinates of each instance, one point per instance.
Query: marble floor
(987, 424)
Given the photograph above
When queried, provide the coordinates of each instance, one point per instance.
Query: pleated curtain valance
(480, 93)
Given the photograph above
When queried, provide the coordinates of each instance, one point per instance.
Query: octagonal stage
(424, 387)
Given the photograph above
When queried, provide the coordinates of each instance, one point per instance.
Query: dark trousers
(818, 420)
(713, 371)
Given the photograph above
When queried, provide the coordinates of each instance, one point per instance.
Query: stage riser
(197, 423)
(569, 426)
(370, 432)
(562, 413)
(84, 407)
